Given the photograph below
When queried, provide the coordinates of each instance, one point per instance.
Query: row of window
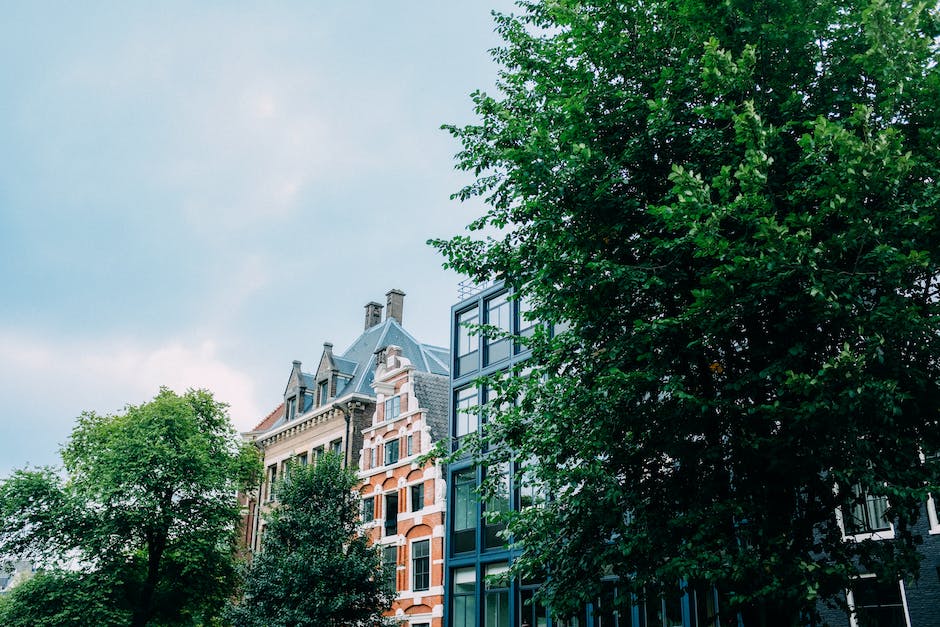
(508, 318)
(499, 600)
(301, 459)
(294, 405)
(420, 579)
(390, 523)
(391, 451)
(470, 527)
(867, 517)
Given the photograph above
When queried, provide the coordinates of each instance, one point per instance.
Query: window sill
(884, 534)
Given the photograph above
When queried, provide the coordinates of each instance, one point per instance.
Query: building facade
(476, 554)
(403, 496)
(380, 404)
(881, 601)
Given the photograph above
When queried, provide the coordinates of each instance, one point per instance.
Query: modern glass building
(475, 553)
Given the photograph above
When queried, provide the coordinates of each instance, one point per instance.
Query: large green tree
(145, 508)
(315, 569)
(733, 208)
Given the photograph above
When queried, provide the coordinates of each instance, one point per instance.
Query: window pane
(391, 514)
(868, 515)
(390, 560)
(468, 342)
(393, 408)
(467, 408)
(496, 612)
(421, 565)
(417, 497)
(878, 603)
(464, 597)
(391, 452)
(465, 512)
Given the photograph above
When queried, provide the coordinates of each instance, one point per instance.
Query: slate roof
(357, 365)
(359, 359)
(433, 391)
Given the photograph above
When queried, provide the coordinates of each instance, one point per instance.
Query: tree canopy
(732, 207)
(145, 510)
(314, 569)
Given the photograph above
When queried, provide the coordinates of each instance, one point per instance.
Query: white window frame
(411, 563)
(883, 534)
(850, 600)
(932, 515)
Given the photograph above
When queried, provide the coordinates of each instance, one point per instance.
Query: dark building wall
(922, 595)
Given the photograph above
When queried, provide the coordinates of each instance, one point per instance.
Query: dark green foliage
(314, 568)
(734, 206)
(146, 511)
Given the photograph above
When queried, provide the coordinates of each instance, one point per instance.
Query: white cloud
(59, 379)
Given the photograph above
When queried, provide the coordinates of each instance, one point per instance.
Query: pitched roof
(359, 359)
(358, 364)
(270, 419)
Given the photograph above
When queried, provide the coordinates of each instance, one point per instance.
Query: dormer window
(291, 407)
(324, 391)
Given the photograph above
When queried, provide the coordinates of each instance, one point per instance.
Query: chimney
(395, 299)
(373, 314)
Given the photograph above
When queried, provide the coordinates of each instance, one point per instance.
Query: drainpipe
(345, 410)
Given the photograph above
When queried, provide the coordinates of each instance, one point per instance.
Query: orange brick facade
(404, 498)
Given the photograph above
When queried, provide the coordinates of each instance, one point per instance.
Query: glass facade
(477, 553)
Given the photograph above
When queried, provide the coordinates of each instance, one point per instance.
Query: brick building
(403, 499)
(335, 409)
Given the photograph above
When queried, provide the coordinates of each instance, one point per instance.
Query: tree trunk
(143, 610)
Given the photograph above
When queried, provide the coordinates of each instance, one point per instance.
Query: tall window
(877, 603)
(391, 514)
(393, 407)
(496, 504)
(368, 509)
(301, 460)
(468, 342)
(272, 479)
(421, 565)
(525, 323)
(324, 389)
(291, 407)
(703, 603)
(498, 315)
(336, 446)
(531, 491)
(467, 416)
(390, 561)
(391, 452)
(465, 511)
(866, 514)
(464, 597)
(410, 445)
(496, 602)
(417, 497)
(532, 611)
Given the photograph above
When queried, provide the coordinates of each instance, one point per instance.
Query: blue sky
(195, 194)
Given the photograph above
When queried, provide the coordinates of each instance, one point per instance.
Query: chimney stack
(373, 314)
(395, 299)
